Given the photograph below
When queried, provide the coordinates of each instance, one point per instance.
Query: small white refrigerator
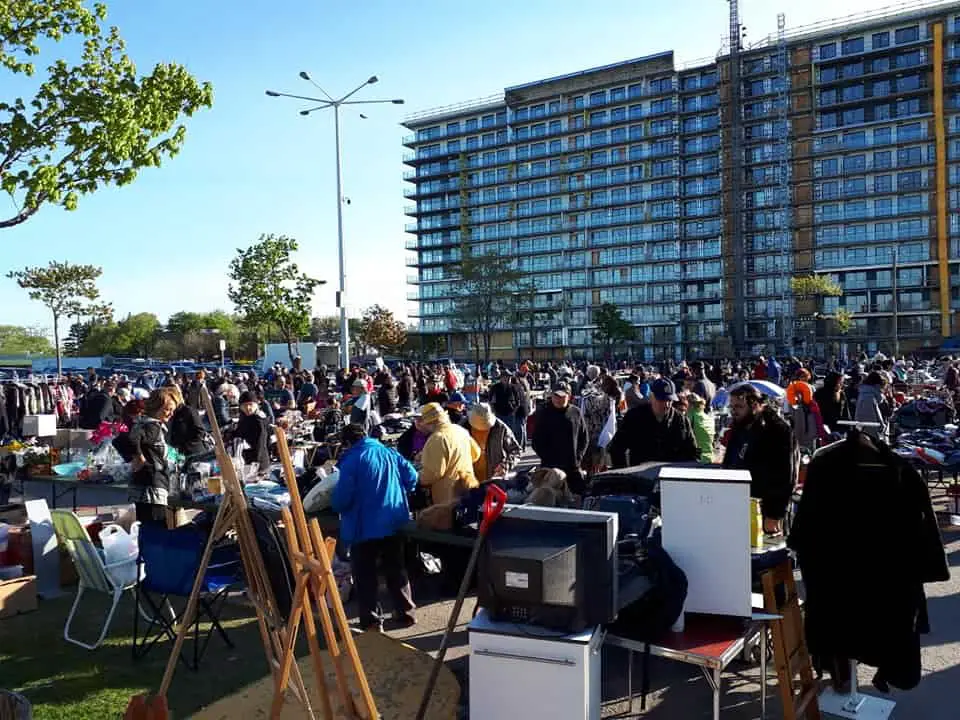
(519, 670)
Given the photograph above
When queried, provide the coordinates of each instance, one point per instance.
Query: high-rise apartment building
(689, 196)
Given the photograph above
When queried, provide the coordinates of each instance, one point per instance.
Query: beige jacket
(447, 463)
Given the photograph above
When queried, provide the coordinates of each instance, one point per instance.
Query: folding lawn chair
(171, 559)
(94, 574)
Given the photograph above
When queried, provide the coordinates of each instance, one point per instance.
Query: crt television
(551, 567)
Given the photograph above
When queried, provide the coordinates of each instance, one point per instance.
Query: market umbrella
(765, 387)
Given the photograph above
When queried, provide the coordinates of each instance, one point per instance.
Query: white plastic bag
(120, 551)
(609, 427)
(320, 495)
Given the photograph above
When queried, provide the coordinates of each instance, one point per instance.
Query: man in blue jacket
(371, 497)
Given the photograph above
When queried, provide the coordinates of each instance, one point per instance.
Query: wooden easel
(799, 698)
(310, 557)
(232, 515)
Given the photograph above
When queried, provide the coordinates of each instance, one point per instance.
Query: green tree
(65, 289)
(380, 330)
(267, 288)
(139, 333)
(92, 124)
(16, 340)
(325, 329)
(612, 327)
(814, 286)
(194, 333)
(843, 320)
(485, 288)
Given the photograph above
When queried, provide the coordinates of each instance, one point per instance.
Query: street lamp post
(327, 101)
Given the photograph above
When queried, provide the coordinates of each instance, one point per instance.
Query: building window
(853, 116)
(828, 97)
(852, 70)
(883, 184)
(578, 102)
(880, 40)
(882, 160)
(907, 35)
(618, 94)
(853, 45)
(598, 98)
(828, 51)
(852, 92)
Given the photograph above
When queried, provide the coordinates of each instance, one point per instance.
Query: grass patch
(66, 682)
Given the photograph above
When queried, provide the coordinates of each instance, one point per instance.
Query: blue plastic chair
(171, 560)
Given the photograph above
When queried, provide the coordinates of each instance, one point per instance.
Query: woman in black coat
(253, 429)
(151, 474)
(832, 401)
(187, 433)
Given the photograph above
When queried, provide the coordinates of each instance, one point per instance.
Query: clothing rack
(853, 705)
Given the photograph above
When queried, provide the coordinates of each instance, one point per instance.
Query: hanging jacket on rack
(867, 540)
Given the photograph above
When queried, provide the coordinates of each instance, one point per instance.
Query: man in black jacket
(762, 442)
(97, 407)
(654, 431)
(505, 399)
(560, 436)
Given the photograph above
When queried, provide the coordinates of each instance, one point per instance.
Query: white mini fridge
(519, 670)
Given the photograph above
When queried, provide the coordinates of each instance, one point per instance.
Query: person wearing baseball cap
(654, 431)
(457, 408)
(560, 436)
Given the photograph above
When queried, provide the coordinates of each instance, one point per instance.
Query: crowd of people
(471, 427)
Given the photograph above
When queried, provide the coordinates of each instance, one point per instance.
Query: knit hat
(482, 417)
(247, 396)
(433, 414)
(457, 397)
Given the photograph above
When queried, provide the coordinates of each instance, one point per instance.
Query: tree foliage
(133, 336)
(485, 300)
(16, 340)
(612, 327)
(267, 288)
(92, 124)
(66, 289)
(380, 330)
(814, 286)
(843, 320)
(325, 329)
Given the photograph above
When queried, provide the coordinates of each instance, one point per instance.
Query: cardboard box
(43, 426)
(75, 439)
(18, 596)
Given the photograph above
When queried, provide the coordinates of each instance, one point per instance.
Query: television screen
(538, 562)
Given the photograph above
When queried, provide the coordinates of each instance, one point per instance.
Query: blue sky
(252, 165)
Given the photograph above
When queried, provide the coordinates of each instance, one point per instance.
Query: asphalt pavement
(677, 691)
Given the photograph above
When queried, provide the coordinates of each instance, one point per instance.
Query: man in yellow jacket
(448, 456)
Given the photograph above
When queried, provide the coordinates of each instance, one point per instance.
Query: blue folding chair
(171, 561)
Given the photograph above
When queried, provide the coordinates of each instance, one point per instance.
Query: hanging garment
(867, 540)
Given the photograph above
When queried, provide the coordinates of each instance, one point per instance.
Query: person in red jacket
(760, 371)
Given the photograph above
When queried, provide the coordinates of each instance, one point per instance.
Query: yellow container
(214, 485)
(756, 524)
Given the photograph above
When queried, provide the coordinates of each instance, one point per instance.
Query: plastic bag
(120, 552)
(609, 427)
(321, 494)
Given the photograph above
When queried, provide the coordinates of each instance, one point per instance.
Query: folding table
(710, 642)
